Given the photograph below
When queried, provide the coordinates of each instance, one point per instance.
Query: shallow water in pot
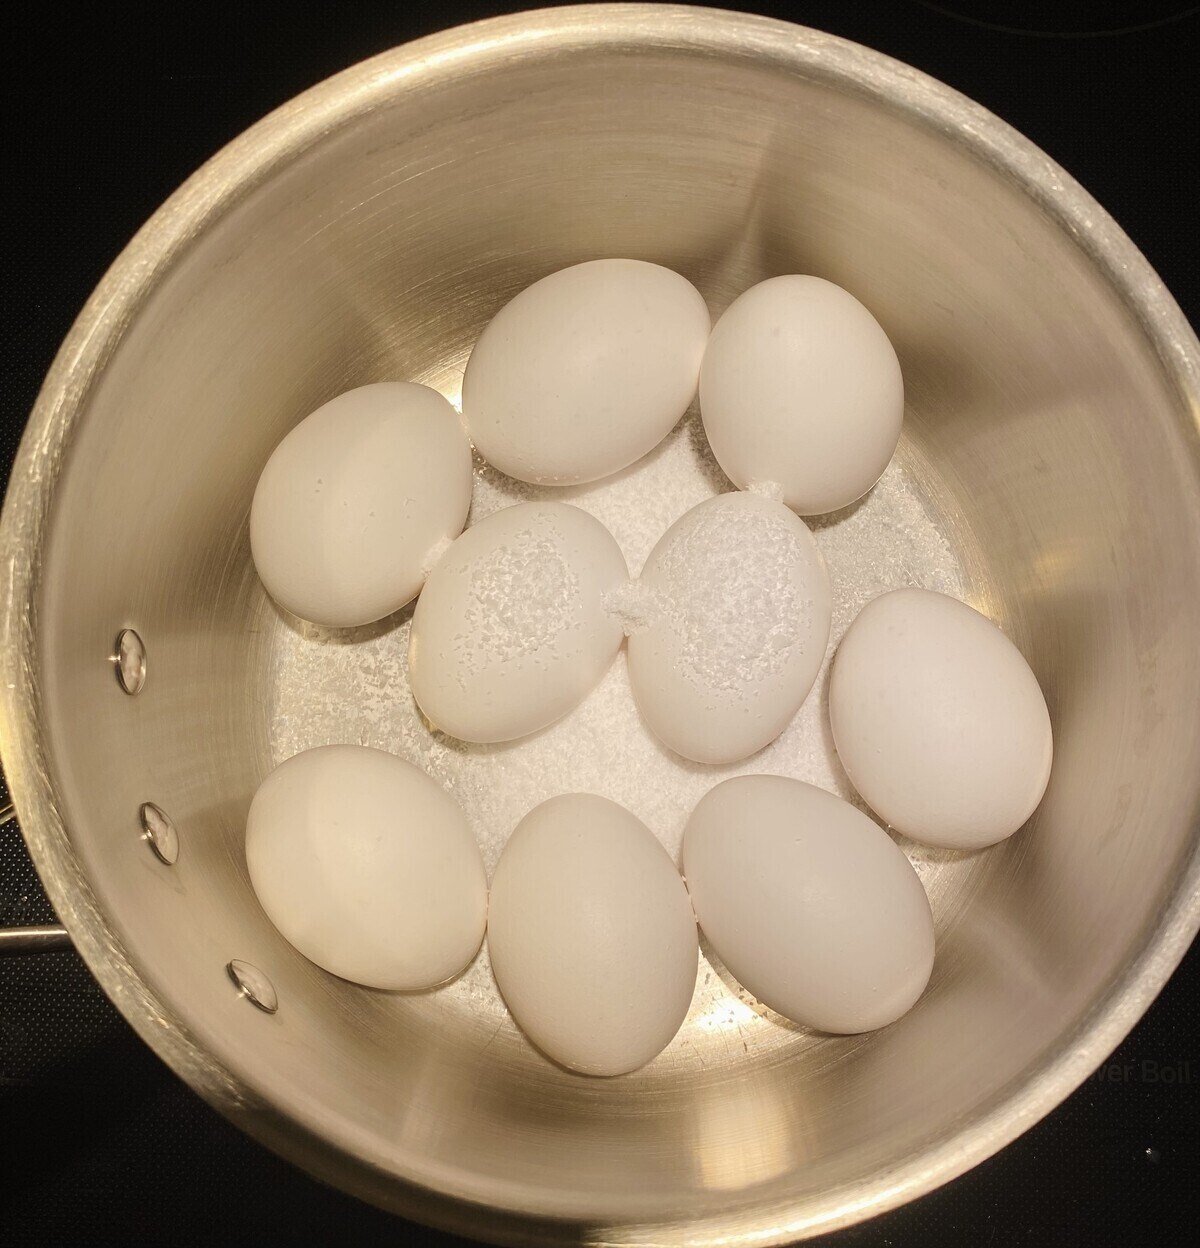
(329, 686)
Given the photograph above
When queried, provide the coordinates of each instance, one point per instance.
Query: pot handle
(46, 937)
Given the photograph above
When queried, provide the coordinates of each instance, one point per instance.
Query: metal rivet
(252, 984)
(159, 833)
(129, 660)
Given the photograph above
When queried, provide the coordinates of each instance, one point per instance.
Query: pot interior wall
(1043, 437)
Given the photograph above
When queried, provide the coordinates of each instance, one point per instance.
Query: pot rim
(506, 1212)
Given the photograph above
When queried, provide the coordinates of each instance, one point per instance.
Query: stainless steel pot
(368, 229)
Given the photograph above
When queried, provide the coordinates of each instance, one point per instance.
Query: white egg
(801, 388)
(357, 502)
(512, 629)
(808, 903)
(591, 935)
(939, 721)
(737, 605)
(585, 371)
(367, 867)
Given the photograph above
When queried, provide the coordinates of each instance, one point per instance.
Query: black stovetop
(99, 1142)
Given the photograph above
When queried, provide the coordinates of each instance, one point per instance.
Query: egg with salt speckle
(736, 610)
(513, 627)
